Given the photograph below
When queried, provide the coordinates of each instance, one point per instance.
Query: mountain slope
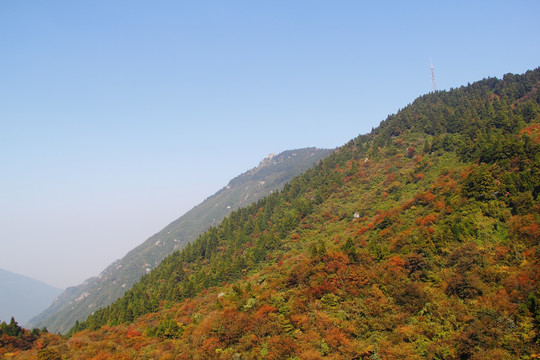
(23, 297)
(76, 303)
(419, 240)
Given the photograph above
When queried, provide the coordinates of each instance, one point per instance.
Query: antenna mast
(433, 77)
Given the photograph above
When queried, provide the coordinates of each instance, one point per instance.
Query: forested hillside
(77, 302)
(418, 240)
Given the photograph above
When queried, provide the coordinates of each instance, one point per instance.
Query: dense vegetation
(14, 338)
(418, 240)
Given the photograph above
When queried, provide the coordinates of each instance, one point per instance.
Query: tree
(48, 354)
(13, 329)
(480, 184)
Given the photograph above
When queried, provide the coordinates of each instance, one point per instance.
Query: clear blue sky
(118, 116)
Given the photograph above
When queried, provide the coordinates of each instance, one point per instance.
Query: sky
(116, 117)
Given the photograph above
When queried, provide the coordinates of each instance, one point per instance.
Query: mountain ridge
(418, 240)
(22, 296)
(408, 221)
(80, 301)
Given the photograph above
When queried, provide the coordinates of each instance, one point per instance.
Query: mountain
(76, 303)
(418, 240)
(23, 297)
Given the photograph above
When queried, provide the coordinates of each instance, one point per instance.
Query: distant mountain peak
(23, 297)
(266, 161)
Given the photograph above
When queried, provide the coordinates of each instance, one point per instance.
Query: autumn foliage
(418, 241)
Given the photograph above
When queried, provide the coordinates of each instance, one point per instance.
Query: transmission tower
(433, 77)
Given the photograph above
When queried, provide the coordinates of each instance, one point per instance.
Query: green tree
(480, 184)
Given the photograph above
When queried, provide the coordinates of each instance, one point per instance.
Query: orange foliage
(445, 183)
(426, 220)
(408, 204)
(102, 355)
(281, 347)
(392, 213)
(363, 229)
(533, 131)
(327, 216)
(300, 320)
(209, 347)
(264, 311)
(132, 333)
(425, 198)
(525, 227)
(335, 261)
(311, 355)
(440, 205)
(501, 252)
(401, 239)
(396, 261)
(336, 338)
(389, 178)
(390, 350)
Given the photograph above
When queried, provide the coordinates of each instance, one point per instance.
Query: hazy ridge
(23, 297)
(77, 302)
